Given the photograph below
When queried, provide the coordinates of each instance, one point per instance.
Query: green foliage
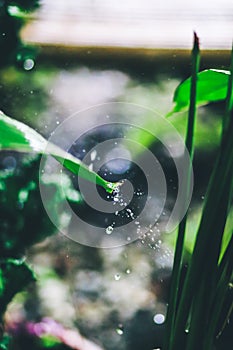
(10, 25)
(212, 87)
(4, 343)
(14, 276)
(24, 5)
(189, 142)
(23, 220)
(195, 320)
(49, 341)
(16, 136)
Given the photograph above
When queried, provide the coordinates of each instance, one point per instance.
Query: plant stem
(229, 98)
(172, 306)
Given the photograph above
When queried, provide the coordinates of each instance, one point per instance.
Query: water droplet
(57, 122)
(109, 230)
(128, 271)
(28, 64)
(120, 329)
(128, 238)
(159, 318)
(129, 213)
(117, 276)
(93, 155)
(202, 197)
(116, 212)
(90, 167)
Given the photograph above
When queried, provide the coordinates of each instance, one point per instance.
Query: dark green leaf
(15, 275)
(4, 342)
(211, 87)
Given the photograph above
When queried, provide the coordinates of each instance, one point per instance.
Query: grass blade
(172, 306)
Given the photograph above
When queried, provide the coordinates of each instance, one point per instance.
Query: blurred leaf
(49, 341)
(4, 342)
(15, 275)
(211, 87)
(24, 5)
(66, 191)
(23, 219)
(16, 136)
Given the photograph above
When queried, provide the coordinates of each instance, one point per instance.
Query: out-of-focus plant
(13, 15)
(48, 334)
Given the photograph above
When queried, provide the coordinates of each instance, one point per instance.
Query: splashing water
(117, 277)
(120, 329)
(109, 230)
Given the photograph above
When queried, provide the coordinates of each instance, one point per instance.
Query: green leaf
(211, 87)
(14, 277)
(49, 340)
(4, 343)
(16, 136)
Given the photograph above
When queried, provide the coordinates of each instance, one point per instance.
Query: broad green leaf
(14, 277)
(16, 136)
(211, 87)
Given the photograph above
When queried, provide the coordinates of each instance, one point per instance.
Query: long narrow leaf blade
(16, 136)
